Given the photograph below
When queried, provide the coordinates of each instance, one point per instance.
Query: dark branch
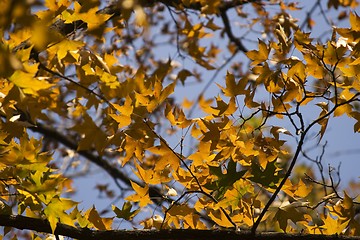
(41, 225)
(113, 171)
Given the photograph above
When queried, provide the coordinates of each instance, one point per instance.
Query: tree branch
(113, 171)
(41, 225)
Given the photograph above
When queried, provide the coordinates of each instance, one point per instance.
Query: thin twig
(296, 155)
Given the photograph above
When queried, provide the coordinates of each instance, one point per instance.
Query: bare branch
(40, 225)
(113, 171)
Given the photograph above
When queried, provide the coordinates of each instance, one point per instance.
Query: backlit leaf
(220, 218)
(28, 82)
(285, 213)
(56, 212)
(125, 212)
(333, 226)
(232, 88)
(141, 195)
(68, 46)
(125, 111)
(97, 221)
(259, 56)
(354, 21)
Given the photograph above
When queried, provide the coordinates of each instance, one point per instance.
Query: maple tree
(102, 83)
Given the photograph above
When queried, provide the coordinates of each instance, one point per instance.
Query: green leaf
(268, 177)
(225, 178)
(125, 212)
(56, 212)
(287, 212)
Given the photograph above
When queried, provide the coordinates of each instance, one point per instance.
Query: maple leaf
(333, 226)
(92, 135)
(125, 111)
(225, 180)
(65, 47)
(56, 212)
(167, 158)
(268, 177)
(97, 221)
(219, 217)
(28, 82)
(297, 190)
(259, 56)
(234, 195)
(141, 195)
(176, 117)
(125, 212)
(287, 212)
(93, 20)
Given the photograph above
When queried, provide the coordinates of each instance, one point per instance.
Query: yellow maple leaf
(232, 88)
(333, 225)
(92, 135)
(54, 5)
(176, 117)
(93, 19)
(67, 46)
(167, 157)
(354, 21)
(297, 190)
(125, 111)
(340, 110)
(56, 212)
(297, 71)
(219, 217)
(98, 222)
(28, 83)
(141, 195)
(259, 56)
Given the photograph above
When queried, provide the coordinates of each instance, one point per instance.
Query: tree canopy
(122, 88)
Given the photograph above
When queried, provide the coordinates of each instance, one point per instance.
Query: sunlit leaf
(68, 46)
(220, 218)
(125, 111)
(141, 195)
(56, 212)
(28, 82)
(232, 88)
(259, 56)
(354, 21)
(333, 226)
(343, 109)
